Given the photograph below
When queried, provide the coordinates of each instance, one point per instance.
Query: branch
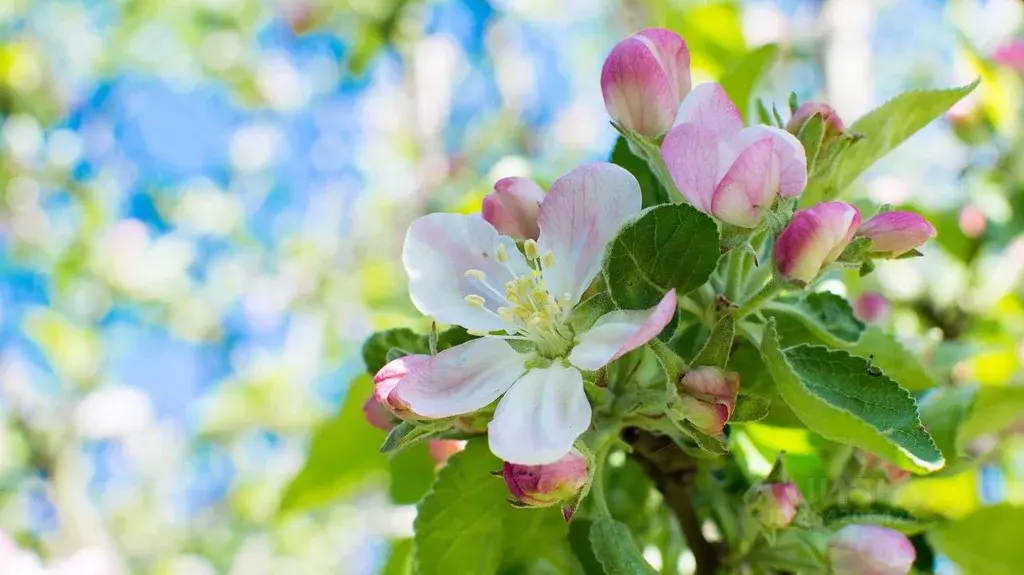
(673, 472)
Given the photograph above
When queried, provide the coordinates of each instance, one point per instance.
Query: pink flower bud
(644, 79)
(377, 415)
(774, 505)
(547, 485)
(388, 379)
(513, 206)
(893, 473)
(814, 238)
(442, 449)
(833, 123)
(870, 550)
(894, 233)
(871, 307)
(708, 397)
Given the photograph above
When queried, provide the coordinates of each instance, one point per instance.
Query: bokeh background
(202, 204)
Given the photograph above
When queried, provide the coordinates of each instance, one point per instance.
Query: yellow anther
(475, 274)
(506, 314)
(502, 255)
(530, 247)
(549, 259)
(475, 300)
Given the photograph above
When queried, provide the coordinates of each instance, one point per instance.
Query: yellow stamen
(476, 274)
(530, 247)
(549, 259)
(475, 300)
(502, 255)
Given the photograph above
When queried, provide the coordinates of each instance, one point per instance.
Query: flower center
(532, 313)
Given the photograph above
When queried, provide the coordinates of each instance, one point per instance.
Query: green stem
(670, 362)
(736, 274)
(765, 294)
(600, 457)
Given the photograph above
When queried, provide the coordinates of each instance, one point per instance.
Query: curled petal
(540, 417)
(621, 331)
(546, 485)
(790, 154)
(709, 107)
(461, 379)
(691, 155)
(814, 239)
(439, 250)
(749, 186)
(513, 206)
(895, 233)
(870, 550)
(581, 213)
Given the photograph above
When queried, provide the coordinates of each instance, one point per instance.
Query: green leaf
(828, 316)
(615, 549)
(876, 514)
(579, 541)
(411, 471)
(377, 346)
(943, 412)
(750, 408)
(466, 526)
(399, 558)
(987, 541)
(993, 410)
(589, 310)
(651, 189)
(884, 128)
(833, 393)
(741, 81)
(408, 433)
(668, 246)
(717, 348)
(894, 359)
(342, 455)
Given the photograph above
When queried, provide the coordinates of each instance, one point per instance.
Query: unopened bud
(545, 485)
(708, 397)
(814, 238)
(774, 505)
(387, 380)
(870, 550)
(378, 415)
(871, 307)
(895, 233)
(833, 123)
(442, 449)
(513, 206)
(644, 79)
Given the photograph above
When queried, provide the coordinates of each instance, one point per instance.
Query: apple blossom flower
(871, 307)
(726, 170)
(644, 79)
(463, 272)
(386, 380)
(833, 123)
(814, 238)
(708, 397)
(513, 206)
(870, 550)
(895, 233)
(774, 505)
(549, 484)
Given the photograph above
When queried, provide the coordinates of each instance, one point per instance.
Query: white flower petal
(621, 331)
(461, 379)
(580, 215)
(540, 417)
(709, 107)
(440, 249)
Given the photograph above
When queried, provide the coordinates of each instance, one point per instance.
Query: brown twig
(673, 472)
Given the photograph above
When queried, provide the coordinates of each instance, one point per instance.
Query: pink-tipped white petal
(461, 379)
(513, 206)
(709, 107)
(638, 94)
(897, 232)
(674, 56)
(749, 186)
(439, 250)
(581, 213)
(791, 156)
(691, 156)
(540, 417)
(621, 331)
